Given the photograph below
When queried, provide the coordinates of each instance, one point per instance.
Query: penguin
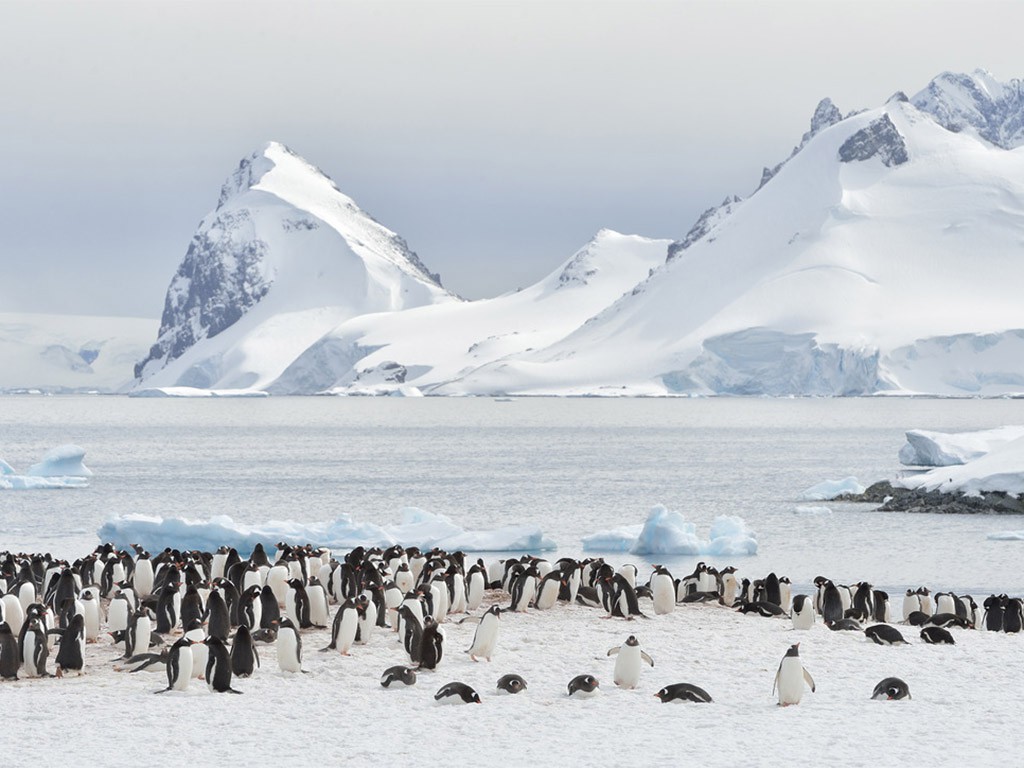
(218, 617)
(118, 613)
(511, 684)
(772, 593)
(476, 583)
(91, 615)
(628, 663)
(880, 600)
(142, 578)
(548, 590)
(918, 618)
(1013, 615)
(191, 606)
(486, 636)
(846, 625)
(137, 635)
(802, 613)
(948, 620)
(761, 608)
(250, 608)
(218, 666)
(583, 686)
(832, 609)
(319, 613)
(663, 590)
(289, 647)
(34, 648)
(937, 636)
(10, 659)
(270, 614)
(684, 692)
(790, 678)
(463, 691)
(945, 602)
(344, 627)
(883, 634)
(244, 658)
(398, 674)
(431, 645)
(70, 656)
(927, 604)
(195, 632)
(524, 590)
(891, 689)
(296, 604)
(911, 604)
(179, 666)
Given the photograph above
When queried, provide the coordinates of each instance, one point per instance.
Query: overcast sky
(495, 137)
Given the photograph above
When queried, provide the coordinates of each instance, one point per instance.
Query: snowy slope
(433, 347)
(283, 258)
(885, 255)
(62, 353)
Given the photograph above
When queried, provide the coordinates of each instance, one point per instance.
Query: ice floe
(61, 467)
(811, 511)
(830, 489)
(417, 528)
(667, 532)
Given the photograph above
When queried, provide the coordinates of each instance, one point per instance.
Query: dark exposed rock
(893, 499)
(879, 138)
(959, 101)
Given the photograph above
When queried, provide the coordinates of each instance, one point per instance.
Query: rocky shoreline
(893, 499)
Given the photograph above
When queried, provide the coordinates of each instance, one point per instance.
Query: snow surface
(417, 528)
(830, 489)
(61, 467)
(968, 688)
(70, 353)
(941, 449)
(1002, 469)
(666, 532)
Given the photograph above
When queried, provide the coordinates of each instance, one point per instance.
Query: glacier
(417, 527)
(942, 449)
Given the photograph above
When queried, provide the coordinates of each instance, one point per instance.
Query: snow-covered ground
(340, 712)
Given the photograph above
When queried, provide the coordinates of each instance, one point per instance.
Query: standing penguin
(71, 653)
(244, 658)
(343, 628)
(791, 677)
(803, 612)
(34, 649)
(663, 590)
(486, 636)
(628, 663)
(91, 614)
(179, 666)
(431, 645)
(10, 659)
(994, 608)
(289, 647)
(218, 666)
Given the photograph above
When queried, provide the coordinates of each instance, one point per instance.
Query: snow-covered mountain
(434, 347)
(66, 353)
(886, 254)
(283, 258)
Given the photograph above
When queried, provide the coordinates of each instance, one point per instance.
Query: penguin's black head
(631, 640)
(662, 694)
(794, 650)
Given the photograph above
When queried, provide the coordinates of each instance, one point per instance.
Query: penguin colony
(204, 616)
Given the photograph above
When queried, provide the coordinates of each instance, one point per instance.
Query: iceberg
(812, 511)
(418, 528)
(1006, 536)
(28, 483)
(943, 449)
(62, 461)
(1001, 470)
(195, 392)
(668, 533)
(831, 489)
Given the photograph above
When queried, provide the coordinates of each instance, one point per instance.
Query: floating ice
(1002, 469)
(417, 528)
(193, 392)
(830, 489)
(5, 468)
(1006, 536)
(943, 449)
(809, 511)
(27, 483)
(668, 533)
(62, 461)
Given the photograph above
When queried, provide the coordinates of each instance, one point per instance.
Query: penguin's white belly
(485, 639)
(288, 651)
(664, 593)
(791, 681)
(347, 630)
(185, 665)
(627, 667)
(804, 619)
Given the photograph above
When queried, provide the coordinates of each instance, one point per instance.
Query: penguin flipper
(256, 656)
(809, 680)
(775, 682)
(614, 651)
(645, 657)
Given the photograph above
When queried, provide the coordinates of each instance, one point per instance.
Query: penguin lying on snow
(937, 636)
(400, 674)
(463, 691)
(683, 692)
(891, 689)
(511, 684)
(883, 634)
(583, 685)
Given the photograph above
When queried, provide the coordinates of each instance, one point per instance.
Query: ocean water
(570, 466)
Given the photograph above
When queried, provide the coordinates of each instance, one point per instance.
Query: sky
(495, 137)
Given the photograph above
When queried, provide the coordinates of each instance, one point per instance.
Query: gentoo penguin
(179, 666)
(218, 617)
(218, 666)
(524, 590)
(628, 664)
(250, 608)
(398, 674)
(845, 625)
(945, 602)
(319, 613)
(684, 692)
(91, 615)
(883, 634)
(271, 611)
(118, 613)
(137, 635)
(511, 684)
(772, 593)
(34, 649)
(343, 629)
(195, 632)
(368, 615)
(948, 620)
(548, 591)
(803, 612)
(486, 636)
(880, 600)
(937, 636)
(412, 632)
(918, 618)
(142, 578)
(192, 607)
(244, 658)
(296, 604)
(761, 608)
(911, 604)
(10, 659)
(583, 685)
(431, 645)
(831, 603)
(891, 689)
(476, 583)
(790, 678)
(1013, 615)
(663, 590)
(927, 604)
(463, 691)
(71, 653)
(289, 647)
